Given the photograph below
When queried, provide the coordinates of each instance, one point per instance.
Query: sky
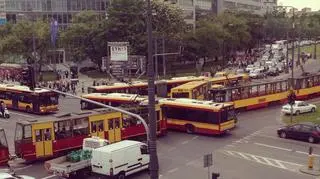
(314, 4)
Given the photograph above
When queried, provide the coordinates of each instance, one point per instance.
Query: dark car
(306, 132)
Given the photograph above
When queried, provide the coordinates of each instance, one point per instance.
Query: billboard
(118, 51)
(3, 18)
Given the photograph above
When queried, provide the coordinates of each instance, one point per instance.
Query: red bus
(123, 99)
(57, 135)
(4, 150)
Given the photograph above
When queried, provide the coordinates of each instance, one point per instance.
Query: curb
(313, 172)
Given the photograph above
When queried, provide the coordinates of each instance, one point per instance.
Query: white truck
(120, 159)
(63, 168)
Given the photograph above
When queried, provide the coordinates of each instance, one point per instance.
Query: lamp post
(292, 62)
(154, 165)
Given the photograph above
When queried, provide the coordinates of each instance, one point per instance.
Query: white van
(120, 159)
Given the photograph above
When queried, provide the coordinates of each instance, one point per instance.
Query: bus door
(97, 127)
(158, 116)
(35, 105)
(114, 129)
(15, 101)
(43, 135)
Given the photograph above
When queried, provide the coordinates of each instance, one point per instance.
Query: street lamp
(154, 165)
(292, 62)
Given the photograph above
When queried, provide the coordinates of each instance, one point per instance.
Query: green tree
(86, 37)
(127, 22)
(17, 39)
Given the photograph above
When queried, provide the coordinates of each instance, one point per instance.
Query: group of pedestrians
(64, 85)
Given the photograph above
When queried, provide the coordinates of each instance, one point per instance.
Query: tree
(86, 37)
(127, 22)
(17, 39)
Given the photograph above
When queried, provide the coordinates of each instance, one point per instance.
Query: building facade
(61, 10)
(254, 6)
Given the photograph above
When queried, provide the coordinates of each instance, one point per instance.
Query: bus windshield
(228, 114)
(3, 139)
(48, 100)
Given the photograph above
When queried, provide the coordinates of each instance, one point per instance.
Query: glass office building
(62, 10)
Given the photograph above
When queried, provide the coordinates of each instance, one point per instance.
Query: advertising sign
(118, 51)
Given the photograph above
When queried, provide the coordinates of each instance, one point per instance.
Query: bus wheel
(190, 128)
(121, 175)
(28, 109)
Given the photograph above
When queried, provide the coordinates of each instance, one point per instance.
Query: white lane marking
(50, 176)
(195, 137)
(173, 170)
(280, 164)
(24, 115)
(300, 152)
(256, 159)
(245, 157)
(265, 160)
(171, 149)
(269, 136)
(185, 142)
(274, 147)
(230, 145)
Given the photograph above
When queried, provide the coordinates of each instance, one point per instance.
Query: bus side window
(38, 135)
(80, 127)
(117, 123)
(110, 124)
(27, 134)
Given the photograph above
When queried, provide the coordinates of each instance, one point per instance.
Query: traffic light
(291, 98)
(28, 77)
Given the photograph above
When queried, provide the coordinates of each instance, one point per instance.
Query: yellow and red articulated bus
(195, 116)
(39, 101)
(56, 135)
(264, 94)
(140, 87)
(4, 150)
(128, 100)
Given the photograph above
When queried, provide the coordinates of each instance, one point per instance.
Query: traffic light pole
(154, 165)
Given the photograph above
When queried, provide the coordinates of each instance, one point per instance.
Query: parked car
(250, 68)
(299, 107)
(273, 71)
(240, 71)
(256, 74)
(280, 68)
(307, 132)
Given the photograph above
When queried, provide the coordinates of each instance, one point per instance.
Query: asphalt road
(245, 153)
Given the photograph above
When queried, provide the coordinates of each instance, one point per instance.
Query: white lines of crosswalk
(294, 167)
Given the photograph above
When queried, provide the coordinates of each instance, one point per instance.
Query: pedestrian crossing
(294, 167)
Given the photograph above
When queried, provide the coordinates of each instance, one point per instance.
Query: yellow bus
(229, 79)
(195, 116)
(141, 87)
(246, 97)
(192, 90)
(22, 98)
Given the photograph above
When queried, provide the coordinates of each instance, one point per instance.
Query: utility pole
(292, 63)
(154, 165)
(287, 57)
